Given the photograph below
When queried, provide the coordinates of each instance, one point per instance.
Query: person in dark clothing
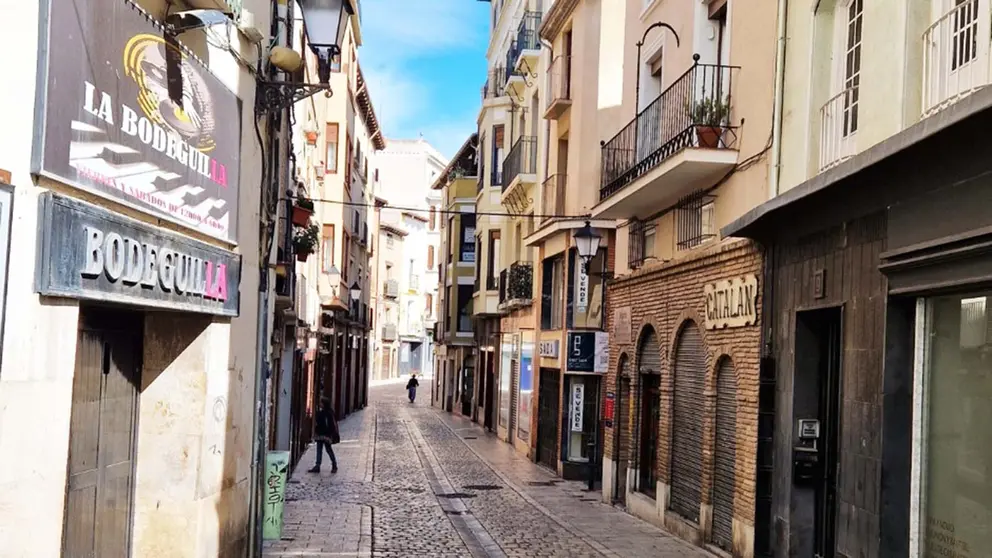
(411, 387)
(326, 430)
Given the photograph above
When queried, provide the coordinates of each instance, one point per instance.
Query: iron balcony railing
(511, 63)
(389, 332)
(516, 283)
(955, 54)
(838, 124)
(560, 76)
(527, 33)
(391, 288)
(522, 159)
(553, 197)
(495, 82)
(693, 112)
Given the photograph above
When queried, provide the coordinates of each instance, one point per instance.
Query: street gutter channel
(478, 540)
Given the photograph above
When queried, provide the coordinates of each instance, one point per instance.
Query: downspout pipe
(778, 100)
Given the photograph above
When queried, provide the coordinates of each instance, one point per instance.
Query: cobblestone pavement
(414, 481)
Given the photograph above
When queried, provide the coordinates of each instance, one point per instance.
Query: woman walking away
(411, 387)
(327, 434)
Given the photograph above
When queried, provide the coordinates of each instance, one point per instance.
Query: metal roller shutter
(725, 455)
(514, 396)
(688, 410)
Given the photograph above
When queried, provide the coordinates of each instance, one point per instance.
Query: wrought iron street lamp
(325, 23)
(356, 291)
(587, 243)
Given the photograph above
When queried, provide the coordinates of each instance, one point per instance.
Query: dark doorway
(468, 384)
(649, 432)
(816, 398)
(490, 418)
(103, 423)
(547, 418)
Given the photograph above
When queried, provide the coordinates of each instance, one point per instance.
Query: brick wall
(665, 296)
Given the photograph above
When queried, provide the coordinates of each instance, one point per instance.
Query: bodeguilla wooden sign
(732, 302)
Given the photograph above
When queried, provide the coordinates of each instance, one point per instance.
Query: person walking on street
(411, 387)
(326, 434)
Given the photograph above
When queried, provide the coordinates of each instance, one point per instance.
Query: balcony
(838, 127)
(681, 142)
(528, 44)
(391, 288)
(559, 87)
(553, 197)
(389, 332)
(516, 80)
(516, 286)
(519, 168)
(495, 84)
(956, 55)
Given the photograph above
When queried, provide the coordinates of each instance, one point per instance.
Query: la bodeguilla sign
(130, 115)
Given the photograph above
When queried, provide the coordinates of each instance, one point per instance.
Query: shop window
(552, 292)
(955, 500)
(585, 291)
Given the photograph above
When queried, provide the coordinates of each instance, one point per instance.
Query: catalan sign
(131, 116)
(91, 253)
(732, 302)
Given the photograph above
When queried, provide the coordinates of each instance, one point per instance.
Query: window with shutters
(327, 248)
(432, 218)
(430, 257)
(429, 305)
(552, 292)
(331, 154)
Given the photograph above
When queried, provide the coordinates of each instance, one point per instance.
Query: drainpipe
(778, 101)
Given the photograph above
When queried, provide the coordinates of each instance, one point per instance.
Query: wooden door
(99, 491)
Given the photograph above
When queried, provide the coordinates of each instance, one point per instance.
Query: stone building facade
(650, 334)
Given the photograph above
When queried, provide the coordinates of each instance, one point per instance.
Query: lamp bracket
(273, 96)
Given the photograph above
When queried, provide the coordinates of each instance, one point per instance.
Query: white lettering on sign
(732, 302)
(578, 397)
(130, 262)
(581, 288)
(548, 349)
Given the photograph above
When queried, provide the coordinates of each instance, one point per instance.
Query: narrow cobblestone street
(414, 481)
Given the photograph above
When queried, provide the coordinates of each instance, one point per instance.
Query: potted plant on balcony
(302, 210)
(709, 116)
(305, 241)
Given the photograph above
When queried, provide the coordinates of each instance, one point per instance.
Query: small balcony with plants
(681, 142)
(516, 286)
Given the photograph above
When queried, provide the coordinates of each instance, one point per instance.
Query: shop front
(586, 362)
(680, 419)
(151, 348)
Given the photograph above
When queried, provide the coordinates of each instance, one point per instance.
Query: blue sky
(424, 62)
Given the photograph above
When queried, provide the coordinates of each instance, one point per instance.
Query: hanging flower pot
(305, 241)
(302, 210)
